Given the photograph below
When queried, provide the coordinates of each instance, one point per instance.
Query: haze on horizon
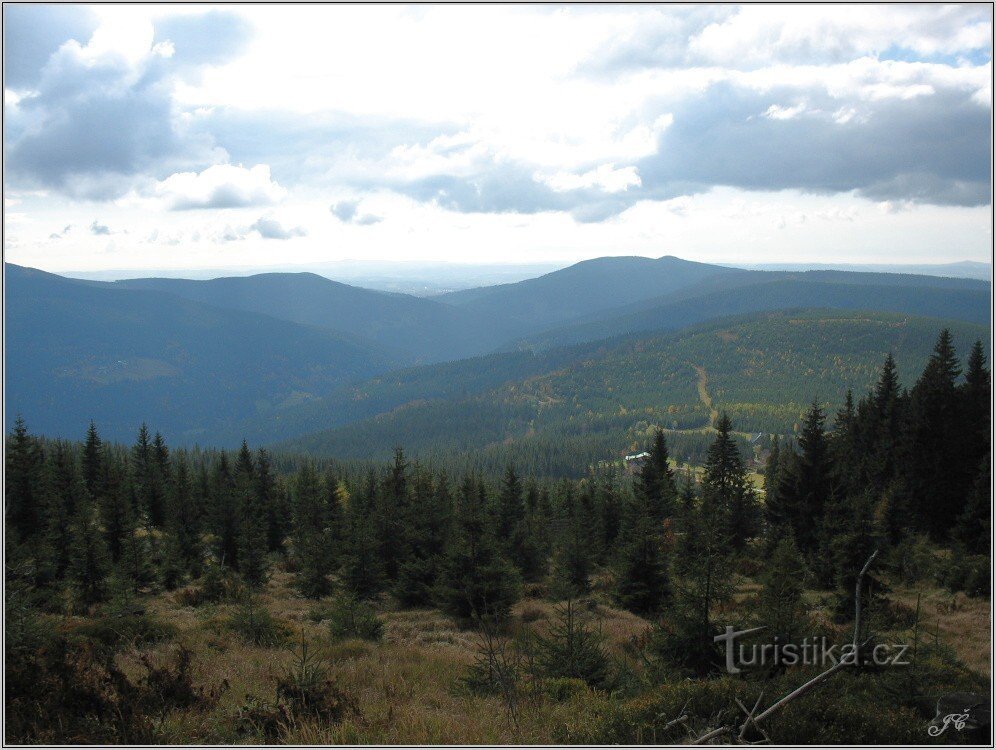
(229, 137)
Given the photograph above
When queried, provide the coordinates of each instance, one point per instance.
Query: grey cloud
(32, 33)
(931, 149)
(92, 128)
(344, 210)
(271, 229)
(96, 228)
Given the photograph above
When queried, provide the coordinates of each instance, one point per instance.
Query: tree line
(85, 520)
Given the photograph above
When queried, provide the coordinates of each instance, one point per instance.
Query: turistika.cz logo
(815, 651)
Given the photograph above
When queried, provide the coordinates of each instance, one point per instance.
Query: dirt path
(702, 385)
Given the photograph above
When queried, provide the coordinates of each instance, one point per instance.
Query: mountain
(724, 295)
(582, 289)
(966, 269)
(81, 350)
(764, 369)
(424, 330)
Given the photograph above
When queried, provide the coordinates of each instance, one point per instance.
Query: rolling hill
(420, 329)
(764, 369)
(956, 299)
(585, 288)
(79, 351)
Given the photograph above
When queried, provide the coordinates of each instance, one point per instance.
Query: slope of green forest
(763, 369)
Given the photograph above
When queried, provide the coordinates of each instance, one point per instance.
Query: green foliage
(349, 617)
(256, 626)
(573, 649)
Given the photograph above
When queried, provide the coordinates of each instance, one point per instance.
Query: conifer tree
(655, 480)
(66, 492)
(780, 605)
(932, 442)
(312, 549)
(253, 521)
(184, 524)
(93, 462)
(475, 580)
(814, 478)
(728, 489)
(643, 585)
(274, 500)
(973, 530)
(22, 494)
(89, 561)
(225, 514)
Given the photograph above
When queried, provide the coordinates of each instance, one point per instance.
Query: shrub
(573, 649)
(306, 688)
(913, 559)
(129, 629)
(255, 625)
(351, 618)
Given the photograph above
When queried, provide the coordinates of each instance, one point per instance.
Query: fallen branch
(807, 686)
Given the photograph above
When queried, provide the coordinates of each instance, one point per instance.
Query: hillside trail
(703, 388)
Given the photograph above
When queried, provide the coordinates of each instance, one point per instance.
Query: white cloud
(220, 186)
(605, 177)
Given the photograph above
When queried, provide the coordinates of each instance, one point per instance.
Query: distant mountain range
(277, 355)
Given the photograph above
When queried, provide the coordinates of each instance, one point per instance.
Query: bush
(69, 690)
(306, 688)
(350, 618)
(256, 626)
(572, 649)
(129, 629)
(914, 560)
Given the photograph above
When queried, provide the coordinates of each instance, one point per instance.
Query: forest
(178, 595)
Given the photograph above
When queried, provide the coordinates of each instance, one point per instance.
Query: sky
(210, 137)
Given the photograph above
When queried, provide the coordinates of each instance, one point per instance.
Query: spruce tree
(781, 608)
(225, 516)
(973, 530)
(253, 522)
(475, 581)
(814, 478)
(93, 462)
(727, 486)
(312, 549)
(66, 493)
(22, 494)
(274, 500)
(655, 479)
(89, 561)
(643, 585)
(932, 443)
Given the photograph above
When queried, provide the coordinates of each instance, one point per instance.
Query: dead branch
(807, 686)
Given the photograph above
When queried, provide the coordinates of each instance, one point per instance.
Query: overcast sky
(186, 137)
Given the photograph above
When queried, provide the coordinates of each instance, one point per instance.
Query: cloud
(101, 115)
(32, 33)
(207, 38)
(220, 186)
(99, 229)
(344, 210)
(271, 229)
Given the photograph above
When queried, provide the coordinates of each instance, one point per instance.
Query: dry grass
(955, 620)
(408, 686)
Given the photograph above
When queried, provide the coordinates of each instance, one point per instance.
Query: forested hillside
(764, 370)
(418, 329)
(79, 350)
(276, 356)
(158, 595)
